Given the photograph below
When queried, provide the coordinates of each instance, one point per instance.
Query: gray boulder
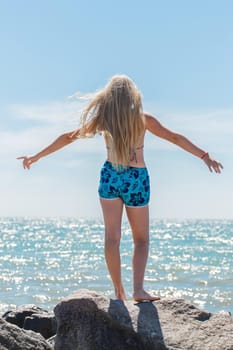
(33, 318)
(45, 324)
(89, 321)
(51, 341)
(18, 316)
(14, 338)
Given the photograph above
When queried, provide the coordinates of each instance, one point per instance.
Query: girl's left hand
(213, 164)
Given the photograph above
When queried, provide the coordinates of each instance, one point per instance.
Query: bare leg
(112, 212)
(139, 222)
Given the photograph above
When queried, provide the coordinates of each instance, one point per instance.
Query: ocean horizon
(43, 260)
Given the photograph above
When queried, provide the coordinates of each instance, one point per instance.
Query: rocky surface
(14, 338)
(43, 324)
(18, 315)
(89, 321)
(33, 318)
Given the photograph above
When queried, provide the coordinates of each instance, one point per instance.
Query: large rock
(18, 316)
(45, 324)
(89, 321)
(14, 338)
(33, 318)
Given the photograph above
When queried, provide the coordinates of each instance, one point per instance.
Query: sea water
(43, 260)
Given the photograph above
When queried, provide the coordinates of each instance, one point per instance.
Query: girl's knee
(112, 240)
(141, 242)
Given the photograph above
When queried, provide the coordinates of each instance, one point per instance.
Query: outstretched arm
(156, 128)
(60, 142)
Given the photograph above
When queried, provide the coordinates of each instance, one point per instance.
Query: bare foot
(141, 296)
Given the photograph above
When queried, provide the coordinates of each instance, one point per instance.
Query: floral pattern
(131, 184)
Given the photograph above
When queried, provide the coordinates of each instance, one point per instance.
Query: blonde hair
(115, 110)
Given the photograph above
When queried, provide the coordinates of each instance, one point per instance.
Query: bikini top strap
(133, 155)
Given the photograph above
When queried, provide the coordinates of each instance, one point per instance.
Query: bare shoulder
(72, 135)
(153, 125)
(150, 120)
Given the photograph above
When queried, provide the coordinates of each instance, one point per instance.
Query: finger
(21, 157)
(25, 164)
(214, 166)
(218, 169)
(217, 166)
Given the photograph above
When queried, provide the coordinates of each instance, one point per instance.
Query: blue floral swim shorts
(131, 184)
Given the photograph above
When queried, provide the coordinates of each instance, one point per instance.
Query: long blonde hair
(115, 110)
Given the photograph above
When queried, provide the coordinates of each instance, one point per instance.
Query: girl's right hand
(27, 161)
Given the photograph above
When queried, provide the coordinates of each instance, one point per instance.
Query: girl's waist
(131, 165)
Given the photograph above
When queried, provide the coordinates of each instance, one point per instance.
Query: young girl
(116, 112)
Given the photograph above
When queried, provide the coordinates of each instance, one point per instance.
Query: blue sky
(180, 55)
